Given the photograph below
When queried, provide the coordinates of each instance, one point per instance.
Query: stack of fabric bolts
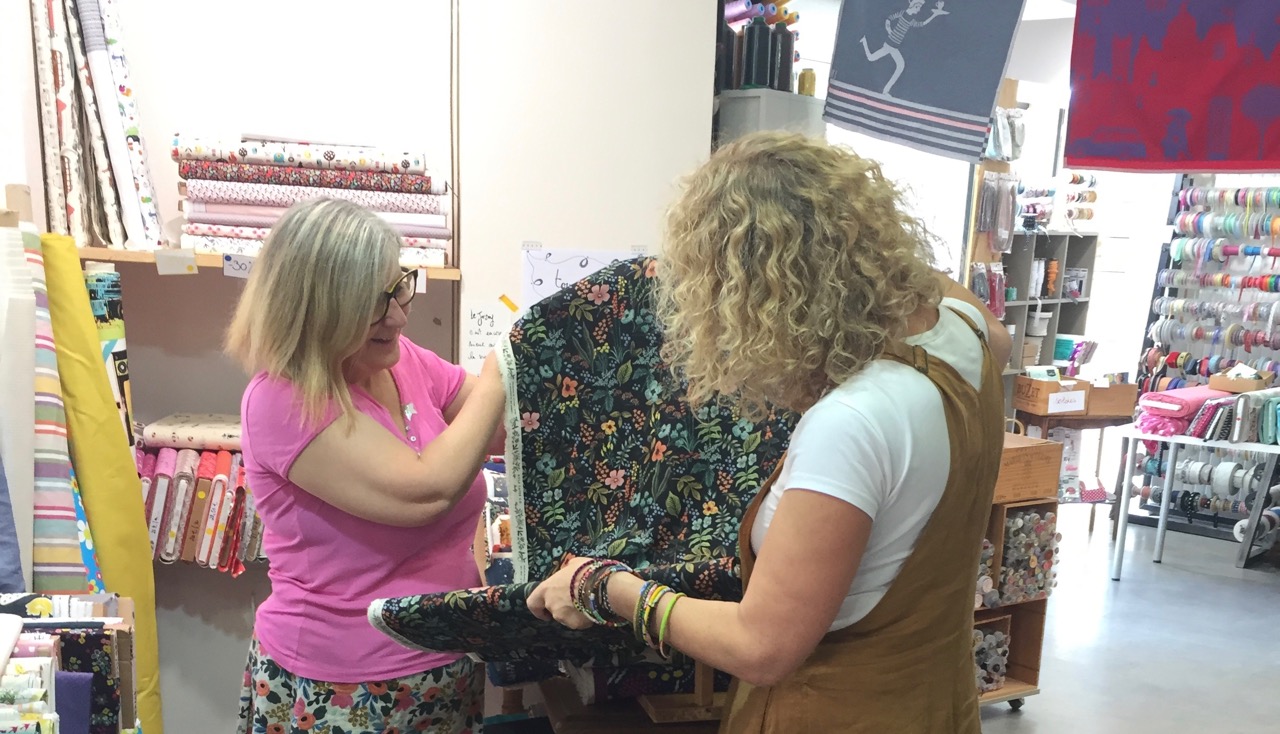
(236, 191)
(985, 594)
(990, 658)
(1030, 552)
(199, 508)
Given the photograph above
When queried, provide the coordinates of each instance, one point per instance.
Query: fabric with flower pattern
(446, 700)
(605, 459)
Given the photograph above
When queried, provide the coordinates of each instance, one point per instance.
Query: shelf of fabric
(103, 254)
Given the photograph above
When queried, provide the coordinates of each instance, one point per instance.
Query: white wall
(19, 127)
(575, 127)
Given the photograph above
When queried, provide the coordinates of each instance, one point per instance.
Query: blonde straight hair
(311, 298)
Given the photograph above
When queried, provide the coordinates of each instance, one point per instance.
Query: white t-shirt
(880, 443)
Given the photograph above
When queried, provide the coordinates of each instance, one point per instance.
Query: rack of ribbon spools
(198, 504)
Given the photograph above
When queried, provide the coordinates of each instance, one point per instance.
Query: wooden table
(1085, 423)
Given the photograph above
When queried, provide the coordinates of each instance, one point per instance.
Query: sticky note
(237, 266)
(175, 262)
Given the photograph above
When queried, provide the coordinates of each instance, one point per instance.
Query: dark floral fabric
(90, 651)
(641, 678)
(445, 700)
(608, 461)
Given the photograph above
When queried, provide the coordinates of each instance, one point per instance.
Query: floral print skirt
(444, 700)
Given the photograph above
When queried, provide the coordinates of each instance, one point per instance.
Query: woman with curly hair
(794, 277)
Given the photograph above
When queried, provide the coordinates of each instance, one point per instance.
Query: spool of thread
(808, 83)
(755, 54)
(736, 12)
(782, 48)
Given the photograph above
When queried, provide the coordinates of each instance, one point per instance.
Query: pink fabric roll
(416, 220)
(268, 221)
(1159, 425)
(1181, 403)
(265, 194)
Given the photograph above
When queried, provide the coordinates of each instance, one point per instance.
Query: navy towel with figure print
(606, 460)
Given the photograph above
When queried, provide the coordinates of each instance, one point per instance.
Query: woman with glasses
(362, 451)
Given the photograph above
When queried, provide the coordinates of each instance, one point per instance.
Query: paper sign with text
(548, 270)
(236, 266)
(175, 262)
(1067, 402)
(484, 325)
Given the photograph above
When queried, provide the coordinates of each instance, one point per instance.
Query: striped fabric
(57, 563)
(933, 130)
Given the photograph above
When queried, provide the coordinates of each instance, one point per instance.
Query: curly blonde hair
(788, 265)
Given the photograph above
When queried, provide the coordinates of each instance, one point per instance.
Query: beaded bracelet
(587, 589)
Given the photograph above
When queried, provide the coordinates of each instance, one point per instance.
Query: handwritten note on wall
(547, 270)
(484, 326)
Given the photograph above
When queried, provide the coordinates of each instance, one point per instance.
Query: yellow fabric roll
(104, 464)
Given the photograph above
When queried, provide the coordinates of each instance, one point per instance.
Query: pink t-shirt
(328, 565)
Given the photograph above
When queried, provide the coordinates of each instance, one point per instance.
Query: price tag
(236, 266)
(421, 286)
(175, 262)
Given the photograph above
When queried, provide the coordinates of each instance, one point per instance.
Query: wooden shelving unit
(103, 254)
(1027, 618)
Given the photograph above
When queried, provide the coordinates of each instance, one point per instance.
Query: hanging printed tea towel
(922, 74)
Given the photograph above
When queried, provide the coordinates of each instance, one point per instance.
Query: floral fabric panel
(606, 460)
(315, 177)
(90, 651)
(445, 700)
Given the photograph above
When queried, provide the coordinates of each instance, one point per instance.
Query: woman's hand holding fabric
(552, 600)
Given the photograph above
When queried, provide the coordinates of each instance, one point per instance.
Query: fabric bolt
(393, 218)
(17, 390)
(104, 463)
(108, 315)
(74, 695)
(422, 257)
(69, 144)
(11, 581)
(912, 76)
(225, 230)
(93, 652)
(301, 155)
(191, 533)
(112, 122)
(1185, 85)
(444, 700)
(151, 225)
(88, 554)
(231, 192)
(605, 459)
(178, 505)
(199, 431)
(208, 245)
(269, 220)
(56, 562)
(47, 98)
(159, 503)
(103, 211)
(312, 177)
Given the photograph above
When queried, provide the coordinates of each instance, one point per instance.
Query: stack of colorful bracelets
(1173, 278)
(1169, 331)
(1258, 312)
(1256, 198)
(589, 590)
(1236, 225)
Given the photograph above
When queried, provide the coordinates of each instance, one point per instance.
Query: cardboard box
(1238, 385)
(1049, 397)
(1028, 469)
(1113, 401)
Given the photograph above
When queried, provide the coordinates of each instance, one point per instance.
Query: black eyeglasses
(403, 291)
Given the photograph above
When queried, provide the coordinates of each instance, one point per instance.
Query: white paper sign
(1066, 402)
(175, 262)
(236, 266)
(547, 270)
(484, 326)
